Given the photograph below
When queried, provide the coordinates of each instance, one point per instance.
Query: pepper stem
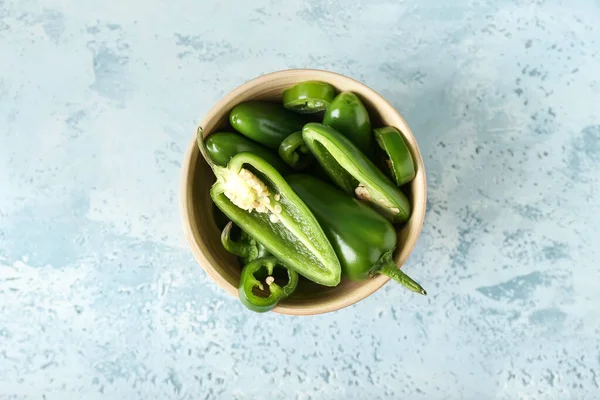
(203, 150)
(295, 152)
(390, 269)
(241, 248)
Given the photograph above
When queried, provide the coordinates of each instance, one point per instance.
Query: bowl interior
(198, 210)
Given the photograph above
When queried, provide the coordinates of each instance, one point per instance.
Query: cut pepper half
(259, 289)
(257, 199)
(397, 159)
(354, 173)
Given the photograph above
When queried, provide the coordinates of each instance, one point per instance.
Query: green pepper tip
(391, 270)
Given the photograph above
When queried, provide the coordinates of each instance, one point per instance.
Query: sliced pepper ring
(397, 159)
(253, 195)
(252, 291)
(295, 152)
(308, 97)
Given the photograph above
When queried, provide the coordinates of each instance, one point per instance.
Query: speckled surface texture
(100, 297)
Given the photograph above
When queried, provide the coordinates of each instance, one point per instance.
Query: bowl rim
(367, 288)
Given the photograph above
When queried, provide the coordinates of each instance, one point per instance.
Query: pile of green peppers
(308, 188)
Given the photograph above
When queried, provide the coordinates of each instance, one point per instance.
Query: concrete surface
(100, 297)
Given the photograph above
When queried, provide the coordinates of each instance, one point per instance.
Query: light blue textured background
(100, 297)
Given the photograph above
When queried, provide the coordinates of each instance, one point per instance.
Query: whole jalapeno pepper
(264, 272)
(247, 248)
(308, 97)
(264, 122)
(348, 116)
(253, 195)
(354, 173)
(397, 159)
(362, 238)
(295, 152)
(222, 146)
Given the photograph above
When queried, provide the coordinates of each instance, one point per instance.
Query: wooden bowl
(197, 208)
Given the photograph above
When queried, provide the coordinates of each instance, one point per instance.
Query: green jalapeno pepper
(247, 248)
(264, 122)
(348, 116)
(397, 159)
(253, 195)
(354, 173)
(362, 238)
(308, 97)
(295, 153)
(222, 146)
(265, 271)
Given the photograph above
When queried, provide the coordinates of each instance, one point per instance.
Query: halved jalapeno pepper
(308, 97)
(253, 195)
(260, 287)
(354, 173)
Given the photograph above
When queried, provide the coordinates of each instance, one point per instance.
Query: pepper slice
(222, 146)
(253, 195)
(308, 97)
(348, 116)
(247, 248)
(265, 123)
(397, 159)
(354, 173)
(362, 238)
(295, 152)
(252, 291)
